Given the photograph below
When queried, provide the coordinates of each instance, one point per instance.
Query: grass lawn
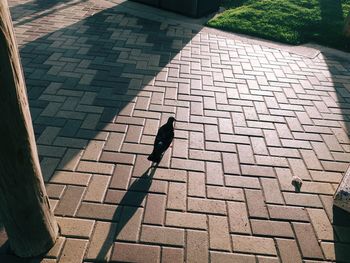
(288, 21)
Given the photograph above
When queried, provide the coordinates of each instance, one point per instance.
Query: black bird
(163, 140)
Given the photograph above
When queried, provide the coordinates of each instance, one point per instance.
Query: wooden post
(24, 205)
(347, 26)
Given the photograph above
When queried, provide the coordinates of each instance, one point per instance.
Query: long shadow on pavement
(127, 207)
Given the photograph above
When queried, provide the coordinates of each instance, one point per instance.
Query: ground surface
(101, 80)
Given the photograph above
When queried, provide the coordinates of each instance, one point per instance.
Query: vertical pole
(24, 205)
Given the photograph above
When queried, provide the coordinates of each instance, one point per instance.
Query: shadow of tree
(96, 78)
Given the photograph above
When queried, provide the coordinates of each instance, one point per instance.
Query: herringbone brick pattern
(249, 117)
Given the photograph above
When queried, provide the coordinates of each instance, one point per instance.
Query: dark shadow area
(341, 232)
(338, 67)
(127, 208)
(37, 9)
(83, 80)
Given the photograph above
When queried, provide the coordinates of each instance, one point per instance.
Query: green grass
(288, 21)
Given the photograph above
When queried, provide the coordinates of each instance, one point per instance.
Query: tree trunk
(347, 26)
(24, 205)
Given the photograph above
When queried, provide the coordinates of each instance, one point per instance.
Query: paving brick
(238, 218)
(128, 227)
(197, 108)
(186, 220)
(197, 246)
(127, 252)
(271, 161)
(288, 250)
(305, 200)
(206, 206)
(170, 255)
(180, 148)
(224, 257)
(230, 163)
(271, 228)
(321, 224)
(259, 146)
(71, 178)
(254, 245)
(253, 170)
(220, 147)
(196, 140)
(318, 188)
(297, 144)
(211, 133)
(171, 175)
(163, 235)
(332, 142)
(48, 135)
(95, 167)
(264, 259)
(214, 173)
(226, 193)
(177, 196)
(144, 184)
(272, 138)
(196, 184)
(205, 155)
(245, 154)
(93, 151)
(283, 131)
(219, 237)
(272, 191)
(190, 165)
(311, 160)
(51, 151)
(298, 168)
(334, 166)
(284, 152)
(121, 177)
(73, 250)
(155, 209)
(97, 188)
(99, 211)
(70, 201)
(136, 148)
(225, 126)
(256, 203)
(70, 160)
(74, 227)
(48, 167)
(308, 244)
(242, 181)
(113, 157)
(54, 190)
(114, 142)
(131, 198)
(287, 213)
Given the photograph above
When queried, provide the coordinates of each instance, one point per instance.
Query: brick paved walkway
(102, 80)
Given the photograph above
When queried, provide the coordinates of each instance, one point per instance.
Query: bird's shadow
(125, 211)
